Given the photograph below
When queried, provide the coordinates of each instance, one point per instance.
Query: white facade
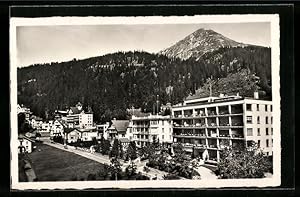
(152, 127)
(216, 122)
(261, 128)
(102, 130)
(26, 143)
(57, 129)
(129, 132)
(25, 110)
(88, 135)
(85, 120)
(73, 136)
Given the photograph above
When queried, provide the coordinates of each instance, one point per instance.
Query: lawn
(52, 164)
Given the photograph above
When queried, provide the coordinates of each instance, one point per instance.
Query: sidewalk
(206, 174)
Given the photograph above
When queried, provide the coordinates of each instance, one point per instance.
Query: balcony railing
(224, 135)
(237, 136)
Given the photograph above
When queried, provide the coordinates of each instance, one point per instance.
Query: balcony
(224, 136)
(223, 110)
(200, 146)
(237, 136)
(203, 125)
(188, 145)
(212, 146)
(211, 111)
(236, 109)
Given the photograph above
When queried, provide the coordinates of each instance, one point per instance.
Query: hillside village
(200, 109)
(202, 128)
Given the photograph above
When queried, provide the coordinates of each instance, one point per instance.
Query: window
(258, 143)
(162, 122)
(258, 131)
(123, 135)
(271, 119)
(272, 142)
(267, 120)
(267, 131)
(249, 119)
(249, 132)
(267, 143)
(162, 136)
(163, 130)
(266, 107)
(257, 107)
(258, 120)
(271, 107)
(249, 107)
(271, 131)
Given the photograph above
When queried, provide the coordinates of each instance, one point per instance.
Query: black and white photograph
(145, 102)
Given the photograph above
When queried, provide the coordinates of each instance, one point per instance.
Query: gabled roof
(62, 123)
(21, 136)
(68, 130)
(75, 110)
(119, 125)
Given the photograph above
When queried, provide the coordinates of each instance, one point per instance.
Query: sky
(57, 43)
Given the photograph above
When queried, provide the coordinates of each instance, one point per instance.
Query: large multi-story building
(77, 117)
(146, 129)
(207, 125)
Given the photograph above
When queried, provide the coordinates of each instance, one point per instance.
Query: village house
(25, 144)
(35, 122)
(118, 130)
(57, 128)
(88, 134)
(102, 130)
(72, 135)
(22, 109)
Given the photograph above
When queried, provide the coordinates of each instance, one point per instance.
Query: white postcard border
(220, 183)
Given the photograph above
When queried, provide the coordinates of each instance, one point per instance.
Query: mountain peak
(199, 43)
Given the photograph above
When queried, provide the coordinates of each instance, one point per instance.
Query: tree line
(112, 83)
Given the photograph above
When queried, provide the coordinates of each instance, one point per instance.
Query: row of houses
(201, 125)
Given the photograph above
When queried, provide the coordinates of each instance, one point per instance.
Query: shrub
(91, 177)
(243, 162)
(171, 176)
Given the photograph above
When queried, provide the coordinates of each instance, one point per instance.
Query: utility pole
(157, 101)
(210, 86)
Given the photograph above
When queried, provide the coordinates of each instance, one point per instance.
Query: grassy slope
(52, 164)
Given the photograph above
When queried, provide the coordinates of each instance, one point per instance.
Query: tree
(115, 167)
(146, 151)
(131, 169)
(131, 151)
(243, 162)
(117, 149)
(23, 126)
(105, 147)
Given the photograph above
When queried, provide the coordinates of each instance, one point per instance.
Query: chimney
(221, 95)
(256, 95)
(237, 94)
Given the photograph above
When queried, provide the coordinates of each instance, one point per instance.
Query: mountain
(199, 43)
